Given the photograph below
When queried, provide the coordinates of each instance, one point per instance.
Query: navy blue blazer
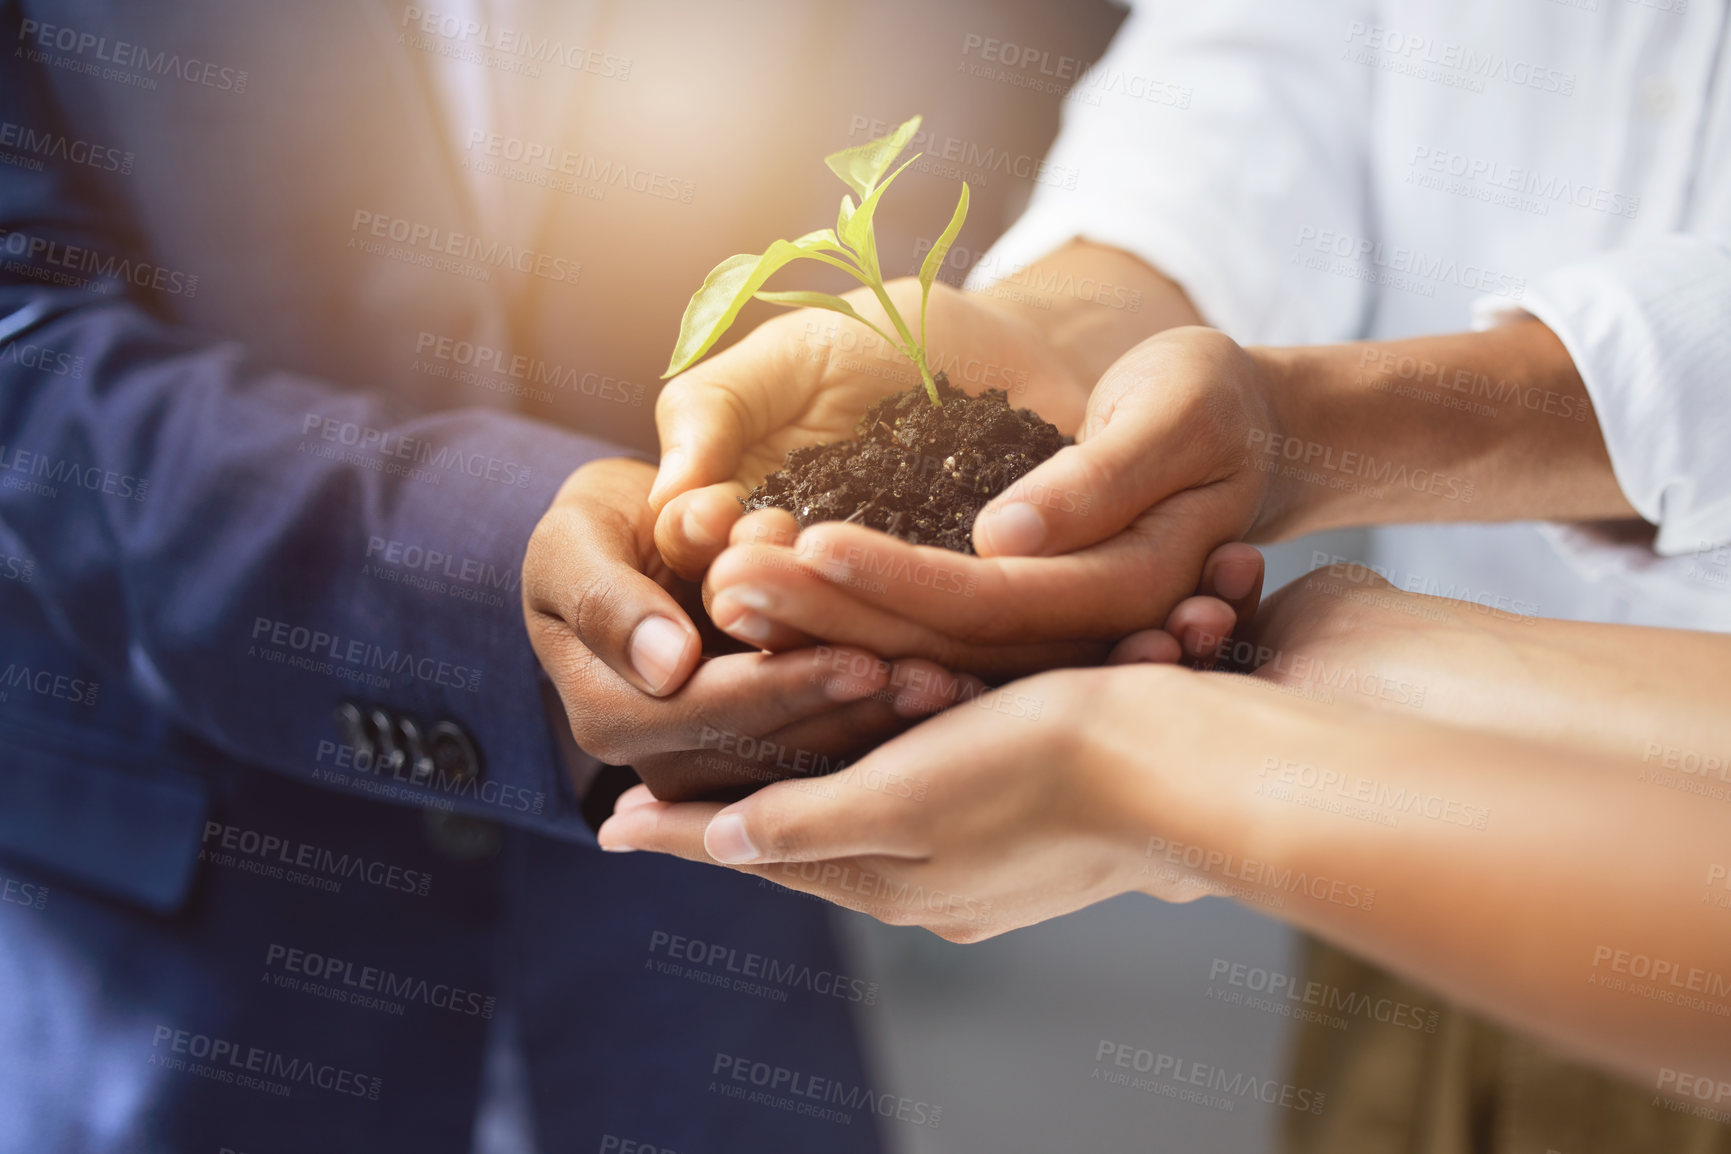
(260, 528)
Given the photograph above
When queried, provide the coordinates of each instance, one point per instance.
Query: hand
(997, 814)
(611, 625)
(805, 377)
(1100, 541)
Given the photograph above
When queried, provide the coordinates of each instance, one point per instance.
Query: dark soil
(916, 472)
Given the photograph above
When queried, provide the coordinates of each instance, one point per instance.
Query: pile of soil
(917, 472)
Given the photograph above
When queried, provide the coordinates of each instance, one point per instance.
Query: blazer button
(455, 762)
(352, 729)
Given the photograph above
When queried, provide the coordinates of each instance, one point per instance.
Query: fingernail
(617, 847)
(1234, 581)
(727, 841)
(696, 531)
(751, 628)
(657, 645)
(667, 475)
(1015, 530)
(737, 612)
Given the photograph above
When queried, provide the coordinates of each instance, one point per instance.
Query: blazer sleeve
(228, 539)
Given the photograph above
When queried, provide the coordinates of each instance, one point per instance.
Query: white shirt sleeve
(1213, 140)
(1649, 328)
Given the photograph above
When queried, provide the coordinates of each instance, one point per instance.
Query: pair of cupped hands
(962, 694)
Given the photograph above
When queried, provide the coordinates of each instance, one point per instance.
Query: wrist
(1301, 387)
(1091, 304)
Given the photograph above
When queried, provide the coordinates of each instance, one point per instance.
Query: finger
(708, 415)
(741, 614)
(1234, 573)
(782, 823)
(1150, 647)
(792, 594)
(694, 526)
(632, 798)
(587, 565)
(1200, 624)
(743, 610)
(727, 698)
(1093, 489)
(1124, 584)
(675, 828)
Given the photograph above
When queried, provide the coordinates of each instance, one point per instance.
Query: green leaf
(843, 216)
(800, 299)
(857, 233)
(934, 261)
(729, 285)
(862, 166)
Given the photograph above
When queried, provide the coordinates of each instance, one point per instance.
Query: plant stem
(912, 349)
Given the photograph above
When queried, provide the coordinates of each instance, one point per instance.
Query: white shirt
(1351, 169)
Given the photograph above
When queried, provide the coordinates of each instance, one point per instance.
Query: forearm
(1093, 303)
(1488, 426)
(1653, 697)
(1512, 876)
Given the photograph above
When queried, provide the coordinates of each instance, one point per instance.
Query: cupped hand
(996, 814)
(805, 378)
(1101, 541)
(643, 686)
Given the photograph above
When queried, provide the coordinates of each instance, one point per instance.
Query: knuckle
(595, 606)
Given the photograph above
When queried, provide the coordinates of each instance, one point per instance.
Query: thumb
(1087, 492)
(709, 415)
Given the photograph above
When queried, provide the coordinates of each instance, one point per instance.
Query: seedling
(850, 246)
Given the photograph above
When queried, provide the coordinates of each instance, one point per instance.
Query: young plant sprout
(850, 246)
